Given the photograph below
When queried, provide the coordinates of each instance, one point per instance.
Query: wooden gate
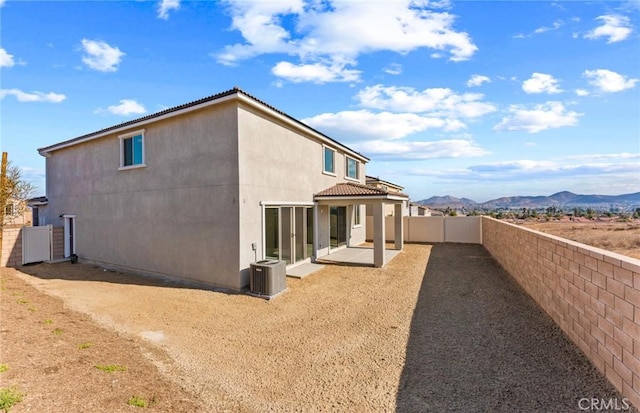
(36, 244)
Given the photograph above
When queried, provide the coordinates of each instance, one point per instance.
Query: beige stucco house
(201, 190)
(16, 214)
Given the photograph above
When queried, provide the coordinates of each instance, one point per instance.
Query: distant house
(201, 190)
(417, 210)
(16, 214)
(35, 204)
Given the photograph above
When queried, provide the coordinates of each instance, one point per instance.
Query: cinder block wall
(58, 243)
(592, 294)
(11, 247)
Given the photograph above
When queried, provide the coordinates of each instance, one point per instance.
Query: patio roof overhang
(358, 193)
(38, 201)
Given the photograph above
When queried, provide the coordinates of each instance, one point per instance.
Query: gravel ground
(334, 341)
(479, 343)
(461, 336)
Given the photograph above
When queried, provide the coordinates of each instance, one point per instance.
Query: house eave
(233, 94)
(46, 151)
(301, 127)
(365, 198)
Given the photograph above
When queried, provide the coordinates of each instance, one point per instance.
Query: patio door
(289, 233)
(337, 226)
(69, 235)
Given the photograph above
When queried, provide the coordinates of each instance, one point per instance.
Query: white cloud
(615, 27)
(165, 5)
(125, 108)
(100, 56)
(601, 166)
(420, 150)
(2, 2)
(541, 83)
(6, 60)
(478, 80)
(363, 124)
(392, 113)
(341, 30)
(556, 25)
(393, 69)
(33, 96)
(316, 72)
(608, 81)
(602, 157)
(565, 167)
(541, 117)
(582, 92)
(439, 102)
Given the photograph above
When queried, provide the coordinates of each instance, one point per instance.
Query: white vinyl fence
(434, 229)
(36, 244)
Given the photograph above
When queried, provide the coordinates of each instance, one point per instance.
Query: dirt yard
(320, 346)
(619, 237)
(50, 353)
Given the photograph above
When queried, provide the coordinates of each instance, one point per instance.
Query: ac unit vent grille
(268, 278)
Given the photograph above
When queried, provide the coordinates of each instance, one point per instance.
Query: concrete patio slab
(304, 270)
(360, 255)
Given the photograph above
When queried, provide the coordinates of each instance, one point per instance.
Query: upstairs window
(10, 210)
(132, 150)
(329, 160)
(352, 168)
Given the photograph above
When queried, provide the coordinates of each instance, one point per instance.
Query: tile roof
(353, 189)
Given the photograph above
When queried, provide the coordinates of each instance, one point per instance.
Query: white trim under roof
(285, 203)
(125, 128)
(389, 197)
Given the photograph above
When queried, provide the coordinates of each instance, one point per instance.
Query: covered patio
(360, 255)
(349, 193)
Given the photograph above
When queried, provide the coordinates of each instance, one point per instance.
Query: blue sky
(472, 99)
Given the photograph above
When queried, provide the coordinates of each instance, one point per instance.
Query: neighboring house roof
(234, 93)
(39, 200)
(371, 180)
(353, 190)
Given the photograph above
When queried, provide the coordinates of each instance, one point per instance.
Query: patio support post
(399, 234)
(378, 234)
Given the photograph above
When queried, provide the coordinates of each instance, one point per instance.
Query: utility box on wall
(268, 278)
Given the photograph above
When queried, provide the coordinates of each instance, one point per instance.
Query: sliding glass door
(337, 226)
(288, 233)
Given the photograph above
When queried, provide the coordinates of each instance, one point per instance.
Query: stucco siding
(278, 164)
(177, 216)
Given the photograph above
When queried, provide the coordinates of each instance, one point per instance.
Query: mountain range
(562, 199)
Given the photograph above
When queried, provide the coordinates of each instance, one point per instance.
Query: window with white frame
(329, 160)
(9, 210)
(357, 220)
(352, 168)
(132, 150)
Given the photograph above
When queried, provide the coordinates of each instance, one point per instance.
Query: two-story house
(201, 190)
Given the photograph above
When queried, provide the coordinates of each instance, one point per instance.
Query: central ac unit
(268, 278)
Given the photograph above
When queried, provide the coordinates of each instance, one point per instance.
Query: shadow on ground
(479, 343)
(87, 272)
